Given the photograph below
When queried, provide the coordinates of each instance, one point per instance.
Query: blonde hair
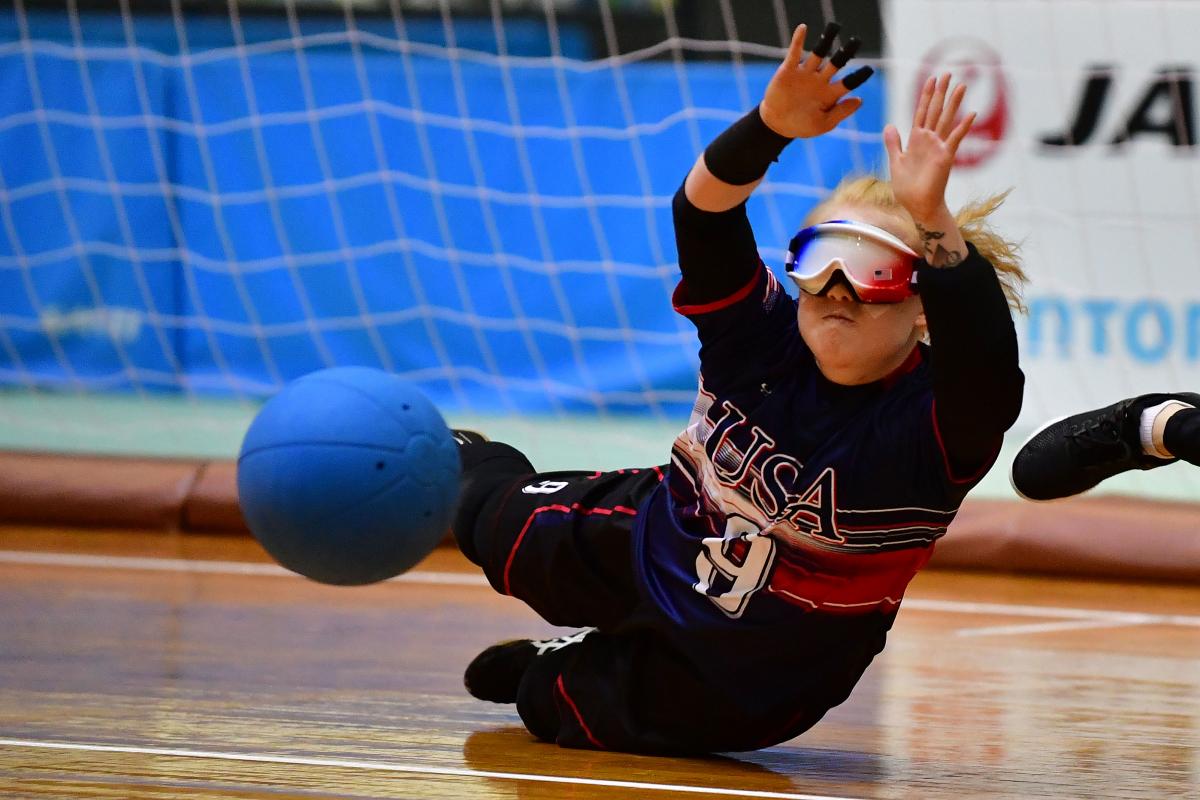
(869, 190)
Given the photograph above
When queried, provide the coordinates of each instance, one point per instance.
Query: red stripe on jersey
(562, 691)
(891, 527)
(716, 305)
(987, 464)
(912, 362)
(574, 507)
(846, 583)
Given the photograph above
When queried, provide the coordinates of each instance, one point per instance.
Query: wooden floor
(135, 666)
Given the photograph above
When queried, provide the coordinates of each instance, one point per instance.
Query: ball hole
(406, 406)
(378, 465)
(429, 513)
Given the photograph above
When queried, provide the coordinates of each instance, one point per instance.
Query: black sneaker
(463, 436)
(1071, 455)
(495, 674)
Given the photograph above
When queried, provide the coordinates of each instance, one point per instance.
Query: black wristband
(743, 152)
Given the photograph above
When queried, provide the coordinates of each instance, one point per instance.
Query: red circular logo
(976, 64)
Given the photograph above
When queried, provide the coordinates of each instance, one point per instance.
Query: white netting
(469, 194)
(200, 204)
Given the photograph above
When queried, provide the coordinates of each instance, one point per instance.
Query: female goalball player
(738, 593)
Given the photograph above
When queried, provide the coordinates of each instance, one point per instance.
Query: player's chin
(840, 361)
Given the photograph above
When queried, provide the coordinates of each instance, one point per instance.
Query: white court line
(1050, 612)
(209, 567)
(1109, 616)
(1050, 627)
(383, 766)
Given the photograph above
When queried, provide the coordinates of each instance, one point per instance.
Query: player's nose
(841, 293)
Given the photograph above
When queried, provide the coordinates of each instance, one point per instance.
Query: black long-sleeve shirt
(977, 381)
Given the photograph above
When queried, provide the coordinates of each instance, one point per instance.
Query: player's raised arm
(921, 170)
(716, 246)
(977, 380)
(802, 100)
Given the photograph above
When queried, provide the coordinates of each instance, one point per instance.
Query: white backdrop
(1106, 201)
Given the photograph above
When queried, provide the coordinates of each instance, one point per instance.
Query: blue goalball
(348, 476)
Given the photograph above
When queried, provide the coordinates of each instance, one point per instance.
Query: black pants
(562, 543)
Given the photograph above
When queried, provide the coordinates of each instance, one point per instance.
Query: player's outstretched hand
(803, 99)
(920, 171)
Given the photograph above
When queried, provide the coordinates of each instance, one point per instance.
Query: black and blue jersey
(795, 510)
(787, 493)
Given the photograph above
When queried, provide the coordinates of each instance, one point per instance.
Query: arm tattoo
(927, 234)
(935, 254)
(946, 258)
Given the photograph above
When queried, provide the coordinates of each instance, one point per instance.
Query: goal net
(202, 201)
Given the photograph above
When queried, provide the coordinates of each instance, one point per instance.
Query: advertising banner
(1087, 113)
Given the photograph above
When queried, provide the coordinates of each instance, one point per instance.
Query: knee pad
(488, 468)
(495, 457)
